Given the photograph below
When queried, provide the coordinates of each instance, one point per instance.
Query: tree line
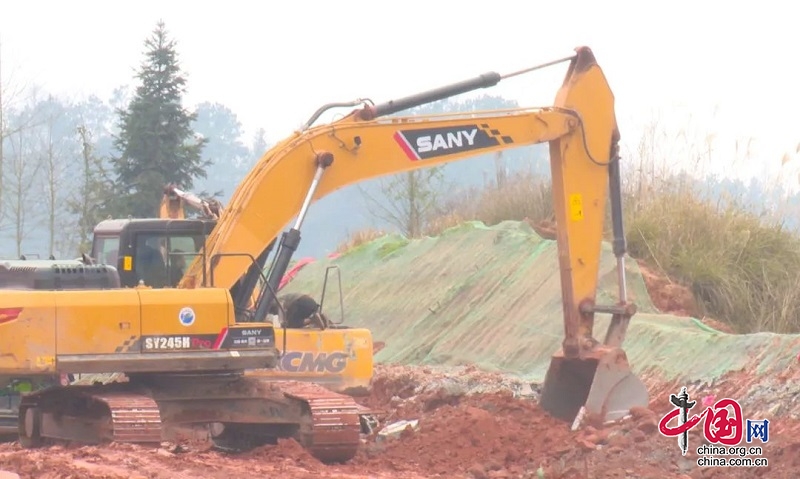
(66, 164)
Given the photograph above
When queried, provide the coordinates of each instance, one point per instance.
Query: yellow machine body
(339, 359)
(130, 330)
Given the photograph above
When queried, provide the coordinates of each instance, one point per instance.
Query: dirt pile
(468, 434)
(287, 452)
(506, 435)
(471, 424)
(670, 297)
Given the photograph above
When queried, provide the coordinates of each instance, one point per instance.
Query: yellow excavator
(153, 252)
(186, 351)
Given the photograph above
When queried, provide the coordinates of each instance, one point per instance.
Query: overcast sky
(274, 63)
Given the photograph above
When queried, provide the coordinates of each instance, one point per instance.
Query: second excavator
(186, 351)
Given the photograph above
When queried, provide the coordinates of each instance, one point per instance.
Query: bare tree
(23, 172)
(88, 199)
(10, 93)
(53, 152)
(500, 170)
(410, 200)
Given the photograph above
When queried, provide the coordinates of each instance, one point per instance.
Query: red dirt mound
(287, 450)
(477, 436)
(668, 296)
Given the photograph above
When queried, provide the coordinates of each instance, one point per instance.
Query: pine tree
(156, 142)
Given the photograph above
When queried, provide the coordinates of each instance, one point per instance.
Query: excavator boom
(275, 190)
(582, 132)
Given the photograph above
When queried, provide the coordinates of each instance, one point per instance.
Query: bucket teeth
(599, 385)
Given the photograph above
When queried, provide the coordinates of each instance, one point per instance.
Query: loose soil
(461, 434)
(676, 299)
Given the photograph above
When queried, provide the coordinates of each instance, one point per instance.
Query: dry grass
(740, 263)
(524, 196)
(742, 268)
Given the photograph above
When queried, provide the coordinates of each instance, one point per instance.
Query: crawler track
(324, 422)
(335, 426)
(8, 423)
(134, 418)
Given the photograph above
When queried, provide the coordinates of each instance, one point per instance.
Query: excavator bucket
(599, 386)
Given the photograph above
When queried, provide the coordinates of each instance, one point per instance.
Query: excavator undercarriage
(173, 396)
(231, 411)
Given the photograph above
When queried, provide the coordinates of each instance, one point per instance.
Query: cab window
(162, 259)
(105, 250)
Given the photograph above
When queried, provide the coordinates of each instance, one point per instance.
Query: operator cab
(155, 251)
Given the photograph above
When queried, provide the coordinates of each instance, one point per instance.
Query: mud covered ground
(472, 424)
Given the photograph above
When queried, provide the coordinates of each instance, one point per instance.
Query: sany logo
(453, 139)
(722, 422)
(9, 314)
(423, 143)
(303, 362)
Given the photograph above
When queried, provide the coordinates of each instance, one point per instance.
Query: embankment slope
(490, 296)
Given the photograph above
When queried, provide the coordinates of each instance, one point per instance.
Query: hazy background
(703, 72)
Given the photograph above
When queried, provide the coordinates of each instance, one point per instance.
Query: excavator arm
(582, 133)
(357, 148)
(174, 199)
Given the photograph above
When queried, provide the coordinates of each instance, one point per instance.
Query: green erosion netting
(491, 296)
